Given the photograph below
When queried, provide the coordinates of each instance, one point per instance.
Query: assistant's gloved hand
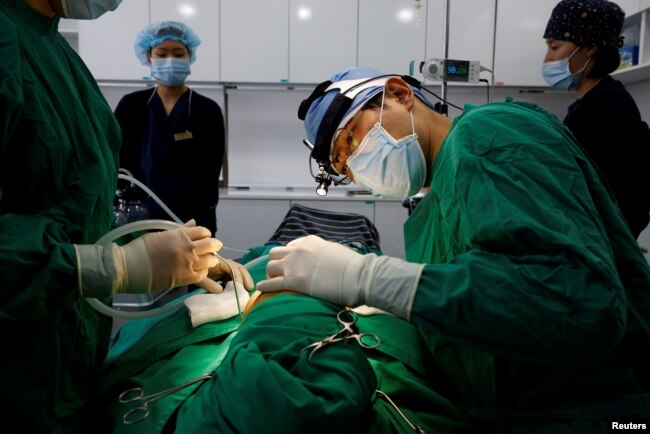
(333, 272)
(209, 283)
(239, 274)
(158, 260)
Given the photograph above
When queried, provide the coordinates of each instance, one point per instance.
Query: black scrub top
(607, 124)
(178, 156)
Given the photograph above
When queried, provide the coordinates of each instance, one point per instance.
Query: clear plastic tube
(127, 176)
(142, 226)
(118, 233)
(150, 193)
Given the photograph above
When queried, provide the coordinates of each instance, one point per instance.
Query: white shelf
(640, 72)
(633, 74)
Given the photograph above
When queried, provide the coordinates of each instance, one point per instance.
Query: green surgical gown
(58, 166)
(535, 289)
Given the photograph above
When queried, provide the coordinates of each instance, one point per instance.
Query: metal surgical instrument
(136, 394)
(347, 318)
(415, 428)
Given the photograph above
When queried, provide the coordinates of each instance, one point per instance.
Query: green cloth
(58, 168)
(266, 384)
(157, 354)
(536, 291)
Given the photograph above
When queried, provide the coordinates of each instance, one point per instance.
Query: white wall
(641, 94)
(264, 134)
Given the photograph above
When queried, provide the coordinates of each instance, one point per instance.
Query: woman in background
(173, 138)
(583, 37)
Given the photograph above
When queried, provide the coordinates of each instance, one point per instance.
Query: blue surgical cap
(157, 33)
(340, 83)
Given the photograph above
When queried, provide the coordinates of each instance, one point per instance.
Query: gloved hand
(209, 284)
(239, 273)
(157, 260)
(333, 272)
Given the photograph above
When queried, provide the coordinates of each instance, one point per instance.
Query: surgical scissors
(136, 394)
(347, 318)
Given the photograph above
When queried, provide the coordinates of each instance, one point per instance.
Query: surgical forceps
(347, 318)
(136, 394)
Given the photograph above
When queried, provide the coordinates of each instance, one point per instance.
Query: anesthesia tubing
(152, 225)
(126, 175)
(144, 225)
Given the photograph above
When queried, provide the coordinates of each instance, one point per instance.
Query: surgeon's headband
(335, 115)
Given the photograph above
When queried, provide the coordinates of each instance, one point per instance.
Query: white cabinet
(640, 72)
(322, 38)
(471, 31)
(644, 242)
(389, 220)
(202, 16)
(629, 6)
(70, 31)
(520, 46)
(255, 41)
(245, 223)
(106, 44)
(390, 36)
(265, 138)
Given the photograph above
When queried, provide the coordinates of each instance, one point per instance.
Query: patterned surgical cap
(586, 23)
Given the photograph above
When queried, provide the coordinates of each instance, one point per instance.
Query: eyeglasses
(342, 148)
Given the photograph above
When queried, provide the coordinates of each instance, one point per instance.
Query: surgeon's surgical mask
(88, 9)
(558, 74)
(170, 71)
(388, 167)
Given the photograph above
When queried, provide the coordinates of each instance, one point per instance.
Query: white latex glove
(208, 283)
(205, 308)
(231, 270)
(158, 260)
(333, 272)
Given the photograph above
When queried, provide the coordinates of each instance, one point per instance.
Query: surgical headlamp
(326, 174)
(321, 149)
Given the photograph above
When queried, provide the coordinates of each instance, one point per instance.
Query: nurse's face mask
(386, 166)
(87, 9)
(558, 74)
(170, 71)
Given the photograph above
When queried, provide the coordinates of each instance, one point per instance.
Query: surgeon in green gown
(520, 267)
(58, 166)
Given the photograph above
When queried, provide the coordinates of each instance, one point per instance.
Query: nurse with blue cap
(173, 138)
(169, 47)
(510, 268)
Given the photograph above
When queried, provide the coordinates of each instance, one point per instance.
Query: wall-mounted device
(463, 71)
